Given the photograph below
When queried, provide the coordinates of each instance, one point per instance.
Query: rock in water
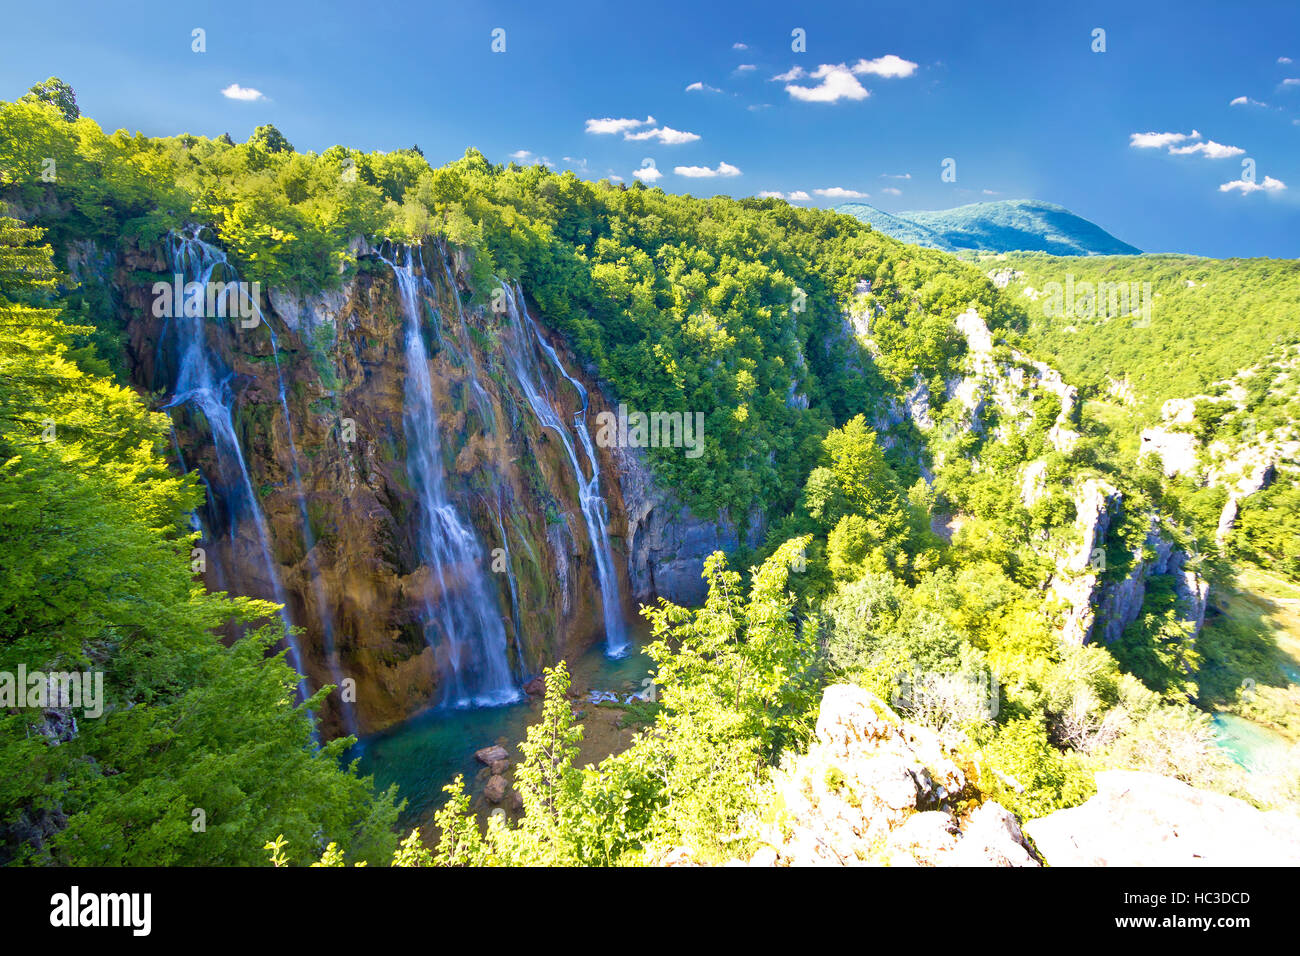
(490, 755)
(1144, 819)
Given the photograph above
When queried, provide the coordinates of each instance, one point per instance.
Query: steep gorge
(318, 393)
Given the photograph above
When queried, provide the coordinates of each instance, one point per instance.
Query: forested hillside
(1206, 373)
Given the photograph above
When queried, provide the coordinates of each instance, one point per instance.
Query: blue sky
(882, 94)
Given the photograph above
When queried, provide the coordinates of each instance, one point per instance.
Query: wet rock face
(332, 483)
(1144, 819)
(666, 542)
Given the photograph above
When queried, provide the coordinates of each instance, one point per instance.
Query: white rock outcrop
(874, 789)
(1144, 819)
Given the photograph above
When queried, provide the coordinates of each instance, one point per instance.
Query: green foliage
(1190, 298)
(728, 307)
(269, 138)
(1158, 647)
(57, 94)
(1268, 528)
(94, 567)
(1039, 778)
(738, 683)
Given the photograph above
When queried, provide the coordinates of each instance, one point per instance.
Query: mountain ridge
(1027, 225)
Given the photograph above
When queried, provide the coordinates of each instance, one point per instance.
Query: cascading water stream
(463, 613)
(594, 510)
(480, 395)
(324, 612)
(203, 382)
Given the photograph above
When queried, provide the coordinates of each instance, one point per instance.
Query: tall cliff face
(336, 525)
(996, 393)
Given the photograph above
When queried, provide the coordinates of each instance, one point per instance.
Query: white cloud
(648, 174)
(1209, 149)
(1284, 59)
(798, 196)
(520, 155)
(895, 175)
(892, 191)
(244, 93)
(745, 68)
(1158, 140)
(1245, 186)
(755, 107)
(704, 172)
(605, 126)
(663, 134)
(771, 194)
(1246, 101)
(740, 46)
(837, 83)
(839, 192)
(1291, 81)
(990, 192)
(888, 66)
(794, 73)
(698, 87)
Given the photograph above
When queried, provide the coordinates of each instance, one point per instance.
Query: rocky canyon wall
(316, 393)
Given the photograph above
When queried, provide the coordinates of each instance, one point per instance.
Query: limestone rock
(1033, 483)
(1176, 450)
(874, 789)
(495, 790)
(490, 755)
(993, 837)
(1144, 819)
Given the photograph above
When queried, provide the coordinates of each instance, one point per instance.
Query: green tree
(59, 95)
(201, 751)
(269, 138)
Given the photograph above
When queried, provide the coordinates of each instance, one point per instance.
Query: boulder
(1144, 819)
(490, 755)
(495, 790)
(926, 839)
(875, 789)
(992, 837)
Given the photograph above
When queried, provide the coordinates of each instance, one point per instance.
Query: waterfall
(480, 395)
(203, 382)
(594, 510)
(324, 611)
(463, 614)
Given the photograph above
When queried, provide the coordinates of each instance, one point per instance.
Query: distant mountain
(1014, 225)
(896, 226)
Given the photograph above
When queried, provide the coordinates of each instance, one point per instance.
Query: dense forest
(893, 543)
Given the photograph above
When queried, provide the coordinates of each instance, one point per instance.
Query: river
(424, 753)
